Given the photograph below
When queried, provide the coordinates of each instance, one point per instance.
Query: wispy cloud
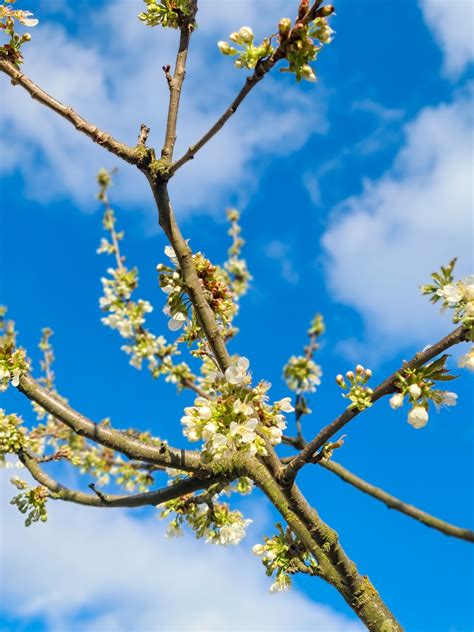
(280, 252)
(385, 242)
(452, 25)
(107, 570)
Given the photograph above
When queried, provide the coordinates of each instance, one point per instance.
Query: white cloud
(110, 72)
(453, 29)
(104, 570)
(280, 252)
(385, 242)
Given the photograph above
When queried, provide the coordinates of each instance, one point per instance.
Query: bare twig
(175, 83)
(395, 503)
(127, 153)
(385, 388)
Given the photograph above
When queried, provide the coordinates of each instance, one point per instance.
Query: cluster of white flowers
(237, 417)
(278, 555)
(12, 434)
(208, 518)
(249, 54)
(417, 386)
(358, 393)
(302, 374)
(456, 295)
(13, 365)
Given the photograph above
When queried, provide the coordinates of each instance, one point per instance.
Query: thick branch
(98, 499)
(323, 543)
(395, 503)
(193, 287)
(132, 155)
(163, 454)
(385, 388)
(262, 69)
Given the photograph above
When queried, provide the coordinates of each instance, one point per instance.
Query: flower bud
(350, 375)
(418, 417)
(26, 37)
(340, 379)
(308, 73)
(359, 368)
(324, 12)
(396, 401)
(246, 35)
(225, 47)
(415, 391)
(368, 373)
(284, 26)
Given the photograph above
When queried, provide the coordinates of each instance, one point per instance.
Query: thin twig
(395, 503)
(127, 153)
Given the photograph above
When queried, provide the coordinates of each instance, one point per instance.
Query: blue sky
(352, 191)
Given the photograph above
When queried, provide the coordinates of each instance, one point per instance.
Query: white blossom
(237, 372)
(396, 401)
(449, 398)
(285, 405)
(414, 390)
(452, 294)
(418, 417)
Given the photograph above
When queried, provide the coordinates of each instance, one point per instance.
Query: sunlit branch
(99, 499)
(162, 454)
(130, 154)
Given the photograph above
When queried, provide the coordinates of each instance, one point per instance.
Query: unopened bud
(324, 12)
(284, 26)
(26, 37)
(359, 368)
(246, 35)
(350, 375)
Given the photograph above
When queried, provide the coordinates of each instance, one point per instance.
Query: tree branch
(395, 503)
(175, 83)
(261, 69)
(98, 499)
(133, 155)
(163, 455)
(385, 388)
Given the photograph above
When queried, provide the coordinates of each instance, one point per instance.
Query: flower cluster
(12, 434)
(456, 295)
(249, 54)
(13, 362)
(167, 13)
(302, 374)
(126, 315)
(237, 417)
(303, 42)
(236, 267)
(283, 555)
(31, 501)
(417, 385)
(209, 519)
(216, 286)
(357, 392)
(8, 17)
